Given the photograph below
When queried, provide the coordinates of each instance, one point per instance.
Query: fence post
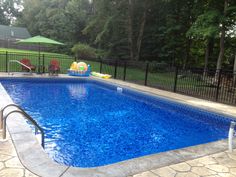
(176, 78)
(115, 73)
(101, 66)
(39, 64)
(218, 84)
(124, 76)
(6, 61)
(146, 74)
(43, 63)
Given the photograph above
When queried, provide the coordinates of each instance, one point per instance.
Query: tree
(234, 71)
(107, 27)
(140, 10)
(9, 11)
(171, 31)
(58, 19)
(206, 28)
(222, 40)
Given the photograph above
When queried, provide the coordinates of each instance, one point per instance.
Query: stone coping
(34, 158)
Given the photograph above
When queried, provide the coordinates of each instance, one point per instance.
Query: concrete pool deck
(155, 165)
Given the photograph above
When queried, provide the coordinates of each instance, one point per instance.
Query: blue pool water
(89, 124)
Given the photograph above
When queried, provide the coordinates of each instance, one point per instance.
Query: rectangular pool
(89, 123)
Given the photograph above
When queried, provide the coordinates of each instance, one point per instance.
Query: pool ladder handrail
(3, 120)
(16, 61)
(231, 134)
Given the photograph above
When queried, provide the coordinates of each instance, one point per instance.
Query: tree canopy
(187, 32)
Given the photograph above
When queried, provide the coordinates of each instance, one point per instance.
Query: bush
(84, 51)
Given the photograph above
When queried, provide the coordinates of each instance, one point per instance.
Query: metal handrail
(3, 109)
(22, 112)
(16, 61)
(231, 135)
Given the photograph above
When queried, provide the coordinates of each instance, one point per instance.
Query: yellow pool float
(74, 66)
(104, 76)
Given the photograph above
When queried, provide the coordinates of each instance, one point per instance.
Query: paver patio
(10, 165)
(217, 165)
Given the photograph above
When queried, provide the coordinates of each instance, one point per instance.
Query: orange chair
(54, 67)
(27, 62)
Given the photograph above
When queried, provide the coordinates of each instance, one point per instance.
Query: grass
(158, 79)
(17, 51)
(14, 54)
(190, 84)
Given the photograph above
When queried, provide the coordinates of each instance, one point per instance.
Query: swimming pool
(89, 123)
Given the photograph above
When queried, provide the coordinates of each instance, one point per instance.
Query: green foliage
(59, 19)
(173, 31)
(9, 10)
(84, 51)
(206, 26)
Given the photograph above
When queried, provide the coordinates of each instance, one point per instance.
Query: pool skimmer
(119, 89)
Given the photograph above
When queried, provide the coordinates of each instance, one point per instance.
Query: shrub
(84, 51)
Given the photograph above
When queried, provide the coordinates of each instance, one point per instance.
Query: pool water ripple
(88, 124)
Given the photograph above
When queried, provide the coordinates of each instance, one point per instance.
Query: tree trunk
(188, 45)
(234, 71)
(222, 44)
(188, 39)
(130, 29)
(207, 54)
(141, 31)
(222, 48)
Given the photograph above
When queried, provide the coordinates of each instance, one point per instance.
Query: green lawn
(165, 80)
(3, 50)
(189, 83)
(161, 79)
(14, 54)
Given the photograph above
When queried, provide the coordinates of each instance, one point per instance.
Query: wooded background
(196, 33)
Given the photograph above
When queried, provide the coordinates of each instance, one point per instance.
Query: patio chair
(54, 67)
(27, 62)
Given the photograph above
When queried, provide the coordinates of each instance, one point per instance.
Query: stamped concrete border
(36, 160)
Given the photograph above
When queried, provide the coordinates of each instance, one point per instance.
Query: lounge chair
(27, 62)
(54, 67)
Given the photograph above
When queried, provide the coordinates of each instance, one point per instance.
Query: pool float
(79, 69)
(104, 76)
(74, 66)
(82, 67)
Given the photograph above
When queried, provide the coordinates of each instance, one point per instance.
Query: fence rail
(220, 87)
(191, 81)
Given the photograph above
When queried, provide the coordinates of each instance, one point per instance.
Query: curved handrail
(3, 109)
(22, 112)
(16, 61)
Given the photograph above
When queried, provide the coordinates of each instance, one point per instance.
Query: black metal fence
(220, 87)
(40, 61)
